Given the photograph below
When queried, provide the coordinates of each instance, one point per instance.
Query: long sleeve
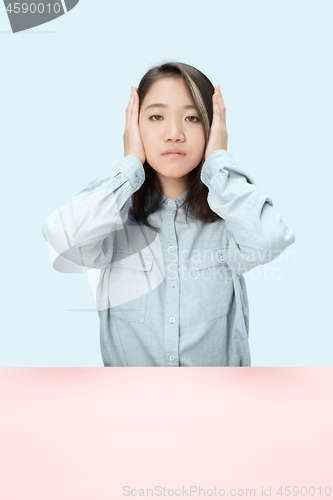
(81, 232)
(256, 231)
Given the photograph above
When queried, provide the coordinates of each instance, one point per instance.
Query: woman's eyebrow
(160, 105)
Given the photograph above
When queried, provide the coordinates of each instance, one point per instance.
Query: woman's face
(171, 122)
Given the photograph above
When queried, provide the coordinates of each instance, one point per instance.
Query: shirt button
(169, 202)
(169, 213)
(172, 358)
(173, 283)
(170, 248)
(172, 319)
(221, 257)
(123, 261)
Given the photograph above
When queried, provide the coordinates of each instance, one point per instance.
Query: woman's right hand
(132, 138)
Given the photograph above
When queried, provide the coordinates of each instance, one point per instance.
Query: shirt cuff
(133, 169)
(216, 161)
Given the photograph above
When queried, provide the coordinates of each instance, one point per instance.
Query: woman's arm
(256, 232)
(81, 232)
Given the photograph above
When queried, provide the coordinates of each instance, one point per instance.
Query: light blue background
(64, 89)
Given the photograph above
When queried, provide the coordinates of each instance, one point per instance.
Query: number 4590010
(32, 8)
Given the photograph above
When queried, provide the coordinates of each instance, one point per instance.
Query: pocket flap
(123, 260)
(211, 258)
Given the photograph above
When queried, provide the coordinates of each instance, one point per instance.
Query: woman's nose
(174, 130)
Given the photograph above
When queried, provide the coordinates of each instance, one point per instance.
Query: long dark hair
(147, 199)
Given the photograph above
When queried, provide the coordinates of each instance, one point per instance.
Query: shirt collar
(172, 202)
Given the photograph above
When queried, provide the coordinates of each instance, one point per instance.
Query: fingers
(133, 105)
(218, 99)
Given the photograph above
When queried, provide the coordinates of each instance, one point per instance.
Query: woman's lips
(174, 155)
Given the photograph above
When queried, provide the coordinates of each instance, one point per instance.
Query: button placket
(171, 334)
(172, 359)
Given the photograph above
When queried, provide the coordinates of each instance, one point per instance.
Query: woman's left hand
(218, 137)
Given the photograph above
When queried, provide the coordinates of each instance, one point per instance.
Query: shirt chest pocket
(128, 286)
(214, 284)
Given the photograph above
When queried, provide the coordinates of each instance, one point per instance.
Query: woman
(170, 230)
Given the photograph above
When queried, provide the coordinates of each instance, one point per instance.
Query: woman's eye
(159, 116)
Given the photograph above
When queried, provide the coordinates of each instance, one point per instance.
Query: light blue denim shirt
(177, 297)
